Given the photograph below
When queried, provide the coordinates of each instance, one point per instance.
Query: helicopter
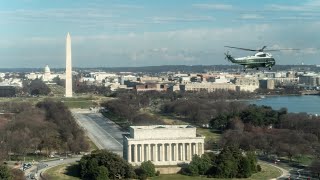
(259, 59)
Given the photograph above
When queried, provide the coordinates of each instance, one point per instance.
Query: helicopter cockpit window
(261, 55)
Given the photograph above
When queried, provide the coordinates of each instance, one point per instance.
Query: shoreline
(293, 103)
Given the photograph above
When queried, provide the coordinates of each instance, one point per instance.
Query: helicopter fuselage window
(262, 55)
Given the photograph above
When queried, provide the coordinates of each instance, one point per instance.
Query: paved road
(102, 131)
(292, 174)
(42, 166)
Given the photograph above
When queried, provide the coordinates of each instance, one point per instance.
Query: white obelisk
(68, 67)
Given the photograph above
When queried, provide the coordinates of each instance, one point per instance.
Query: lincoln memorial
(162, 144)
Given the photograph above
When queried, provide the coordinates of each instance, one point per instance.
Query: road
(292, 174)
(45, 165)
(102, 131)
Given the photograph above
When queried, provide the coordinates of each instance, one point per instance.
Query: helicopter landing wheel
(257, 68)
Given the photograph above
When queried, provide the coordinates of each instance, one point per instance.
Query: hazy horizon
(154, 33)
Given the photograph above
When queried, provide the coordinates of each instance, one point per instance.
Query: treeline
(282, 142)
(200, 111)
(262, 129)
(35, 87)
(251, 114)
(69, 131)
(197, 108)
(127, 106)
(84, 88)
(252, 127)
(231, 162)
(46, 127)
(271, 131)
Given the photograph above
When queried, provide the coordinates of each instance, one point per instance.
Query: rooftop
(162, 126)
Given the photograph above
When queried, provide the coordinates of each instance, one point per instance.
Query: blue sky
(117, 33)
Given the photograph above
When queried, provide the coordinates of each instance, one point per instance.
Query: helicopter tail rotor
(228, 57)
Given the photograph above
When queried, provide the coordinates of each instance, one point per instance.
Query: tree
(92, 169)
(5, 173)
(231, 163)
(219, 122)
(102, 173)
(199, 165)
(149, 168)
(252, 158)
(236, 124)
(244, 168)
(116, 166)
(59, 81)
(37, 87)
(68, 130)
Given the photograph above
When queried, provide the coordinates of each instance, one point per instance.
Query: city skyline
(143, 33)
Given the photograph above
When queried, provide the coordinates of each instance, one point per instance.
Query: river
(304, 103)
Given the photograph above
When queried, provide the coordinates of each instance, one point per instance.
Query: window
(261, 55)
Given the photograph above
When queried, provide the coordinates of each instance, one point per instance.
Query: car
(33, 176)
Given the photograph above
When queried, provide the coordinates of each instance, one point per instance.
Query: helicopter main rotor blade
(289, 49)
(242, 48)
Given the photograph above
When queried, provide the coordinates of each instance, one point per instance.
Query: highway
(102, 131)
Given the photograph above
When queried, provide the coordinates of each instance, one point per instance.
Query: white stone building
(162, 144)
(47, 74)
(207, 86)
(247, 83)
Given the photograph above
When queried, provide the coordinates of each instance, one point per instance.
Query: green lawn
(63, 172)
(32, 100)
(268, 172)
(303, 159)
(80, 104)
(209, 134)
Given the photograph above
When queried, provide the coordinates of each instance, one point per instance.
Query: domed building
(47, 74)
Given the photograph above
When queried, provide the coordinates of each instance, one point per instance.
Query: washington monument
(68, 67)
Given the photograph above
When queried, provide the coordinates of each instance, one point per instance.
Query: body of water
(305, 103)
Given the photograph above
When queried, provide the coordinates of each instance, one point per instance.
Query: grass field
(63, 172)
(80, 101)
(268, 172)
(209, 134)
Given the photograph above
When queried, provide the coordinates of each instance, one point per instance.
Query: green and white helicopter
(259, 59)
